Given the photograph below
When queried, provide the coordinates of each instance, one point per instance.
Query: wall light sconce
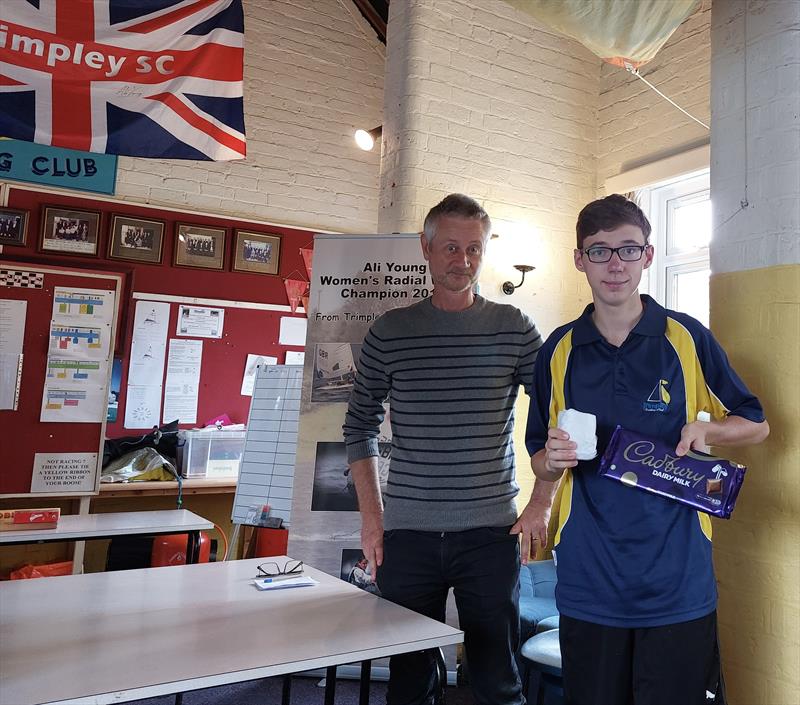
(366, 138)
(509, 287)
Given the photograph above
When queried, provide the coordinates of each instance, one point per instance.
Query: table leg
(193, 547)
(366, 673)
(178, 698)
(286, 690)
(330, 685)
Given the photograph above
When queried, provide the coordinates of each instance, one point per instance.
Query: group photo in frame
(134, 238)
(70, 231)
(199, 246)
(256, 252)
(13, 226)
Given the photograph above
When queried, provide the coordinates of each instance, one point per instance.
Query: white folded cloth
(582, 429)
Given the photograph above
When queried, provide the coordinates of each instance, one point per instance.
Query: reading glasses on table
(271, 569)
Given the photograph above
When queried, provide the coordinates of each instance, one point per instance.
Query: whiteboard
(266, 474)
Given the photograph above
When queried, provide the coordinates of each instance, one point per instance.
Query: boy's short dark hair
(609, 213)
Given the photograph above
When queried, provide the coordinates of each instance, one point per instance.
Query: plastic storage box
(211, 453)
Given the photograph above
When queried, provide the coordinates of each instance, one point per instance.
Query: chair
(542, 652)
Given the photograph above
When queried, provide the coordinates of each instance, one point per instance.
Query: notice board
(43, 455)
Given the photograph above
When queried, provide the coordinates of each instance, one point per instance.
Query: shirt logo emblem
(659, 398)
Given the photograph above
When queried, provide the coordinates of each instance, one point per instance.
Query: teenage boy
(636, 589)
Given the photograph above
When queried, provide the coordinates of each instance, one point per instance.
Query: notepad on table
(281, 583)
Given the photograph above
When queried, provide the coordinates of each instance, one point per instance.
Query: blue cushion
(537, 584)
(533, 610)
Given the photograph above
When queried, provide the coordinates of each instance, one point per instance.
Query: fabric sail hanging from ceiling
(626, 33)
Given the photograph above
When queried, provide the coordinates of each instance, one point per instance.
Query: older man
(450, 366)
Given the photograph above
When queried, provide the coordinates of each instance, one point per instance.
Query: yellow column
(755, 314)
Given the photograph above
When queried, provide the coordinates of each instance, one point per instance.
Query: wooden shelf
(224, 485)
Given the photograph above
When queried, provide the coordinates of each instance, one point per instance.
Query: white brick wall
(761, 150)
(313, 73)
(636, 125)
(479, 99)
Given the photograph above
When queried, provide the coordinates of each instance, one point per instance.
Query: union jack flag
(146, 78)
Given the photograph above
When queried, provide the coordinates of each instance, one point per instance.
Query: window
(680, 213)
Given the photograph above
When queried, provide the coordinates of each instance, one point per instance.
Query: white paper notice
(200, 322)
(295, 358)
(146, 366)
(12, 332)
(183, 381)
(12, 326)
(149, 344)
(293, 331)
(142, 406)
(250, 367)
(64, 472)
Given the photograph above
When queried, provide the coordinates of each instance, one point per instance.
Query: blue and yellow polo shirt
(628, 558)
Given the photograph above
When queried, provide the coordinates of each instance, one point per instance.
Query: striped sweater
(451, 380)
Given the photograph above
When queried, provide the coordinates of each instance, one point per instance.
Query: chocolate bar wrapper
(698, 480)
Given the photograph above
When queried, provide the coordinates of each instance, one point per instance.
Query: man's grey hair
(461, 206)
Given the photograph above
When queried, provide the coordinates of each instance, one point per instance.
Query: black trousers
(677, 664)
(482, 567)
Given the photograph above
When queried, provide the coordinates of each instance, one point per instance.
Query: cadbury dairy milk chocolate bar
(696, 479)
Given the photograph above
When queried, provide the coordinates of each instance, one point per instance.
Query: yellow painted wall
(755, 315)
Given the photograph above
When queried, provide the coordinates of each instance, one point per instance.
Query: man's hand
(532, 525)
(372, 540)
(370, 504)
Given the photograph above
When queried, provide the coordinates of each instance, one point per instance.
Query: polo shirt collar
(652, 323)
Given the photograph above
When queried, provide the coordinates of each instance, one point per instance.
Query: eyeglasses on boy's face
(627, 253)
(271, 569)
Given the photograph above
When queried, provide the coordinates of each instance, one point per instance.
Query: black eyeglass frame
(611, 250)
(295, 569)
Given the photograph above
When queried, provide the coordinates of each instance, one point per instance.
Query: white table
(120, 636)
(81, 527)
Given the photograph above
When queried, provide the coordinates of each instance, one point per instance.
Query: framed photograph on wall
(256, 252)
(138, 239)
(70, 232)
(199, 246)
(13, 226)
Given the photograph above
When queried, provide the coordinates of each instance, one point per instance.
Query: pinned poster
(79, 342)
(146, 364)
(183, 380)
(12, 332)
(200, 321)
(85, 307)
(74, 405)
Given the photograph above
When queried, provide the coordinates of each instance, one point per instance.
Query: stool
(543, 652)
(547, 624)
